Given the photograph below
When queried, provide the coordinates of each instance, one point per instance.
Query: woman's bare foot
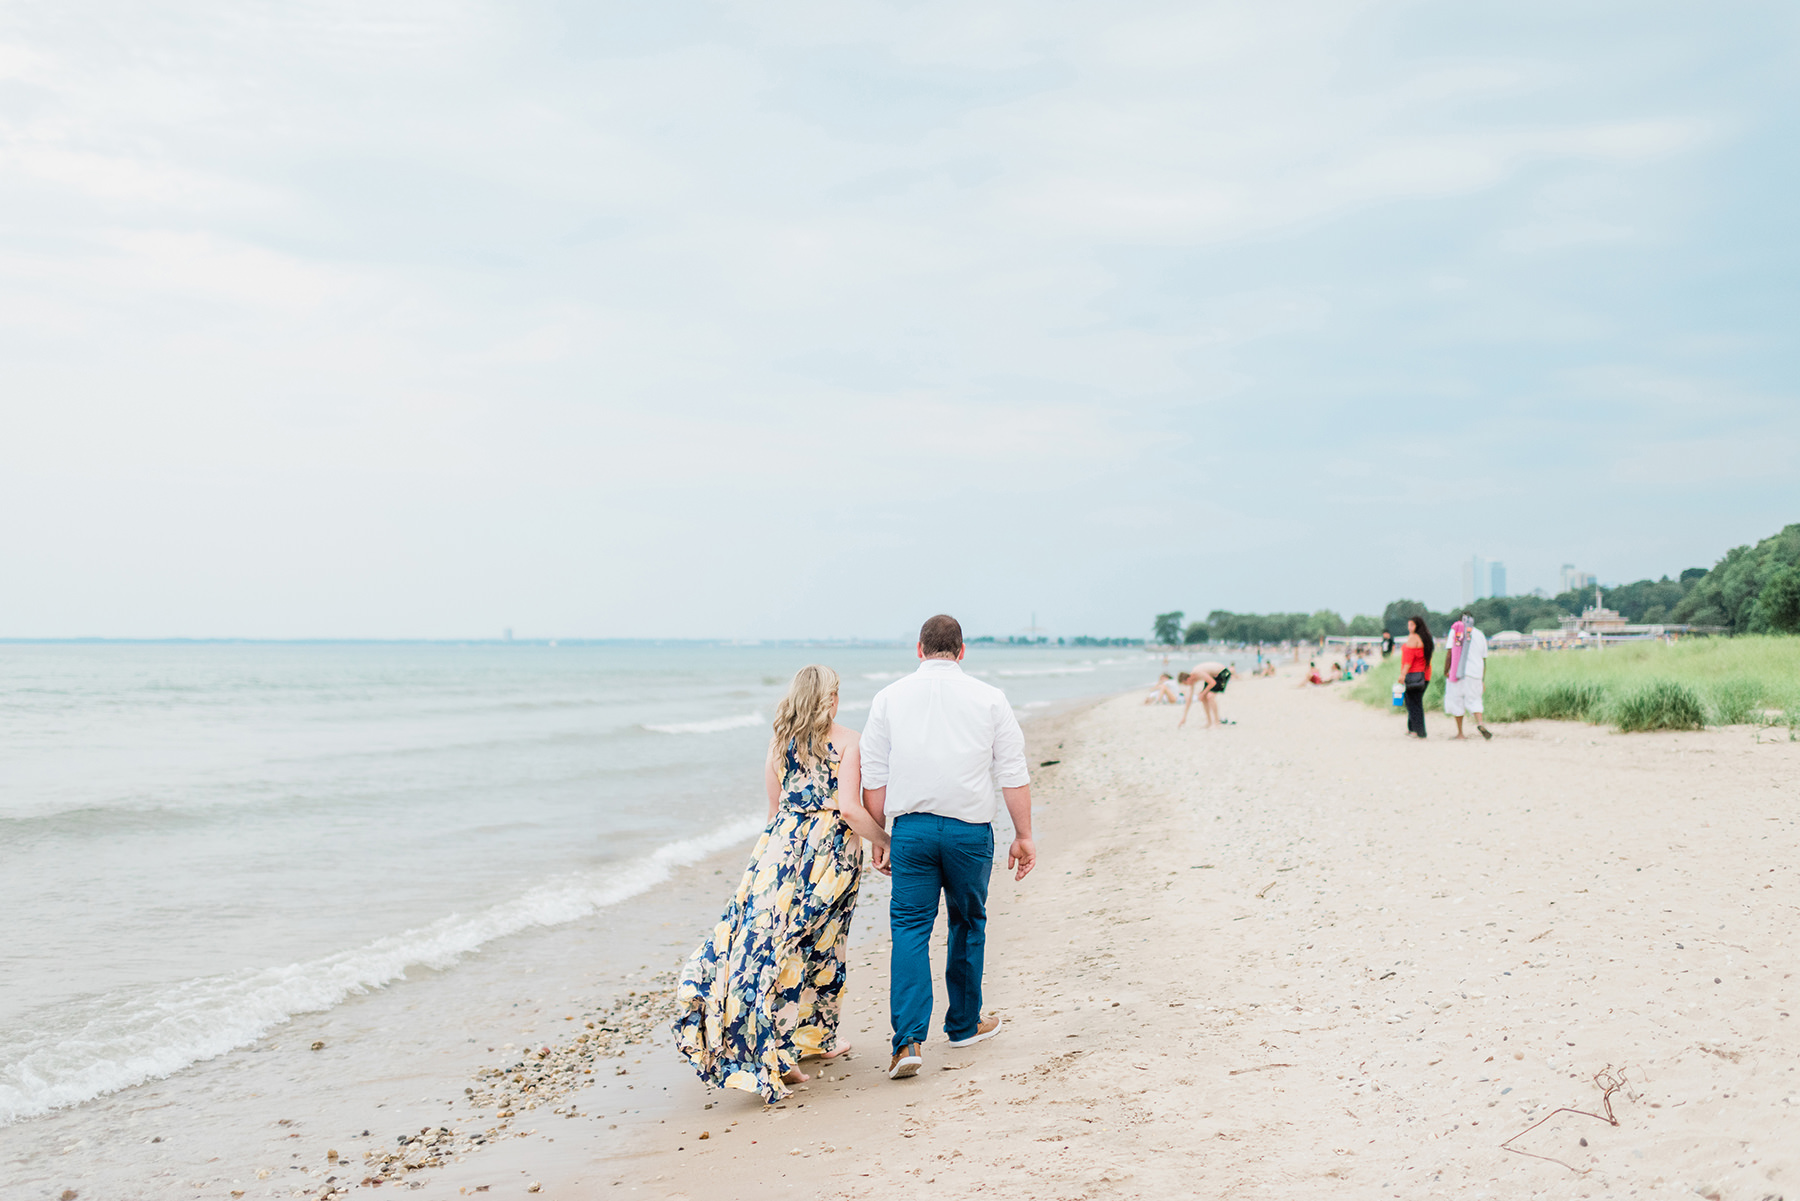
(795, 1076)
(843, 1049)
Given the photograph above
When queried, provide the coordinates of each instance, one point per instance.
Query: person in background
(1161, 693)
(1462, 682)
(1387, 643)
(1415, 672)
(1205, 682)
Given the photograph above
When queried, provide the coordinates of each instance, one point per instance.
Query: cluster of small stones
(543, 1077)
(414, 1152)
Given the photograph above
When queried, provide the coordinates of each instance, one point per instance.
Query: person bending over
(1206, 681)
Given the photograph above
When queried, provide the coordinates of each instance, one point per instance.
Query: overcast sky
(431, 317)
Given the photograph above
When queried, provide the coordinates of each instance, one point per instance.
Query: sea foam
(708, 727)
(121, 1039)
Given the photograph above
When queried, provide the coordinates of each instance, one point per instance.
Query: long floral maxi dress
(766, 989)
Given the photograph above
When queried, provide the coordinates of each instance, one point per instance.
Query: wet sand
(1304, 955)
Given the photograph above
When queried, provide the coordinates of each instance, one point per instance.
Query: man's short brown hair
(941, 635)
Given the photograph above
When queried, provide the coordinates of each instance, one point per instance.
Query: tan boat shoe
(907, 1062)
(983, 1030)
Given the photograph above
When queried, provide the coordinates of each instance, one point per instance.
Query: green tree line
(1752, 590)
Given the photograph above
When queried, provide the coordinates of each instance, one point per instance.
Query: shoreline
(262, 1119)
(1206, 927)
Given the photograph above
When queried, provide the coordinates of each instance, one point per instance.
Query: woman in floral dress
(765, 991)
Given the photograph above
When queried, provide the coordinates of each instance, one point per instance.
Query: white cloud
(626, 256)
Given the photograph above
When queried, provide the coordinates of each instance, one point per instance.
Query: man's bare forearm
(875, 801)
(1018, 805)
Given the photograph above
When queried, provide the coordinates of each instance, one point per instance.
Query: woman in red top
(1415, 672)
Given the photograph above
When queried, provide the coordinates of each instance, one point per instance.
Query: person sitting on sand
(1206, 681)
(765, 991)
(1312, 675)
(1160, 692)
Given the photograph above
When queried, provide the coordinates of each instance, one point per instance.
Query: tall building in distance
(1575, 581)
(1482, 578)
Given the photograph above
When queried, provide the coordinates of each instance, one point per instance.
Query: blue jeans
(933, 855)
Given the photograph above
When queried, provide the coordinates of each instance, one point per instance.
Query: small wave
(708, 727)
(884, 675)
(1077, 669)
(852, 706)
(122, 1039)
(1037, 704)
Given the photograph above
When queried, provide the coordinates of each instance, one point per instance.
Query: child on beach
(1161, 693)
(765, 991)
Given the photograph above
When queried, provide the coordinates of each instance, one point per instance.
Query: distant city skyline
(1573, 579)
(1482, 578)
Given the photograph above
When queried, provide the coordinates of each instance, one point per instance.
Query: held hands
(878, 858)
(1022, 855)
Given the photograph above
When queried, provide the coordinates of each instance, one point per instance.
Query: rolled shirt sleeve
(1009, 749)
(876, 743)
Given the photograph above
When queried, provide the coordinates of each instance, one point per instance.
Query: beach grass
(1751, 680)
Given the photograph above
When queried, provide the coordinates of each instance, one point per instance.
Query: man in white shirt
(935, 743)
(1462, 685)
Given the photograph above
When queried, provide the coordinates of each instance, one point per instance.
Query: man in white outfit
(1462, 686)
(935, 743)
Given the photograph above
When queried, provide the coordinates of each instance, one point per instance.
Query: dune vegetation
(1696, 682)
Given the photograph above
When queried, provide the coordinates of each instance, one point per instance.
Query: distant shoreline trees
(1752, 590)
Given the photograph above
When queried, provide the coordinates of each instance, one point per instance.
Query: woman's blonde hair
(804, 716)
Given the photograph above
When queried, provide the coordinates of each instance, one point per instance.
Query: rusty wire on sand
(1608, 1082)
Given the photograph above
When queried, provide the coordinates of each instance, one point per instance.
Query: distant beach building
(1598, 619)
(1482, 578)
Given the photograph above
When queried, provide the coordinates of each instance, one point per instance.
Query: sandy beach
(1300, 952)
(1304, 953)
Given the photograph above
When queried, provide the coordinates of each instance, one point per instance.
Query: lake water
(200, 841)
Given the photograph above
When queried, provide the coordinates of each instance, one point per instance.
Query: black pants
(1415, 710)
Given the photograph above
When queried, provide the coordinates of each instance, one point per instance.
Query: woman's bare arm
(849, 796)
(771, 784)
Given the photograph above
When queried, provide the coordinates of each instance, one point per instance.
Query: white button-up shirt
(938, 740)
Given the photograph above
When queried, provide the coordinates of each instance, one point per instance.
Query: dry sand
(1303, 955)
